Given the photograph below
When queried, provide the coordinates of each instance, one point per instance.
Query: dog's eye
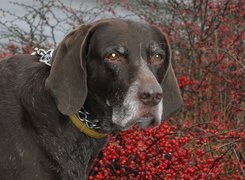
(113, 57)
(156, 59)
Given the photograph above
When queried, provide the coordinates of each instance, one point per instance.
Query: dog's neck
(99, 110)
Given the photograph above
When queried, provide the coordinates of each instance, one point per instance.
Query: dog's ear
(67, 81)
(172, 100)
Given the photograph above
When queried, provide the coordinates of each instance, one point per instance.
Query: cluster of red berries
(164, 153)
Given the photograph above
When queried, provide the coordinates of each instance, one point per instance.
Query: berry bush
(164, 153)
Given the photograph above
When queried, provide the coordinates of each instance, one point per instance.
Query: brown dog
(117, 72)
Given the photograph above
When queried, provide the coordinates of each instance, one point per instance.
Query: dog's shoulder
(22, 77)
(20, 68)
(18, 62)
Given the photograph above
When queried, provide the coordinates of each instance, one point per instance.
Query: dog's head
(126, 64)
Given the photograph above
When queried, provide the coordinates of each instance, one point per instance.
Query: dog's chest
(74, 159)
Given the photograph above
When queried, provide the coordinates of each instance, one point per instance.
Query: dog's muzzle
(142, 105)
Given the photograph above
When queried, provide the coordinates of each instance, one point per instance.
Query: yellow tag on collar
(83, 128)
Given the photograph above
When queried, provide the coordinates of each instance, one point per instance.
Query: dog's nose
(150, 96)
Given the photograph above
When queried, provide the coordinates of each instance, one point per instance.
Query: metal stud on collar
(83, 116)
(45, 55)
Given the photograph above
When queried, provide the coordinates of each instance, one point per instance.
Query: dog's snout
(150, 96)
